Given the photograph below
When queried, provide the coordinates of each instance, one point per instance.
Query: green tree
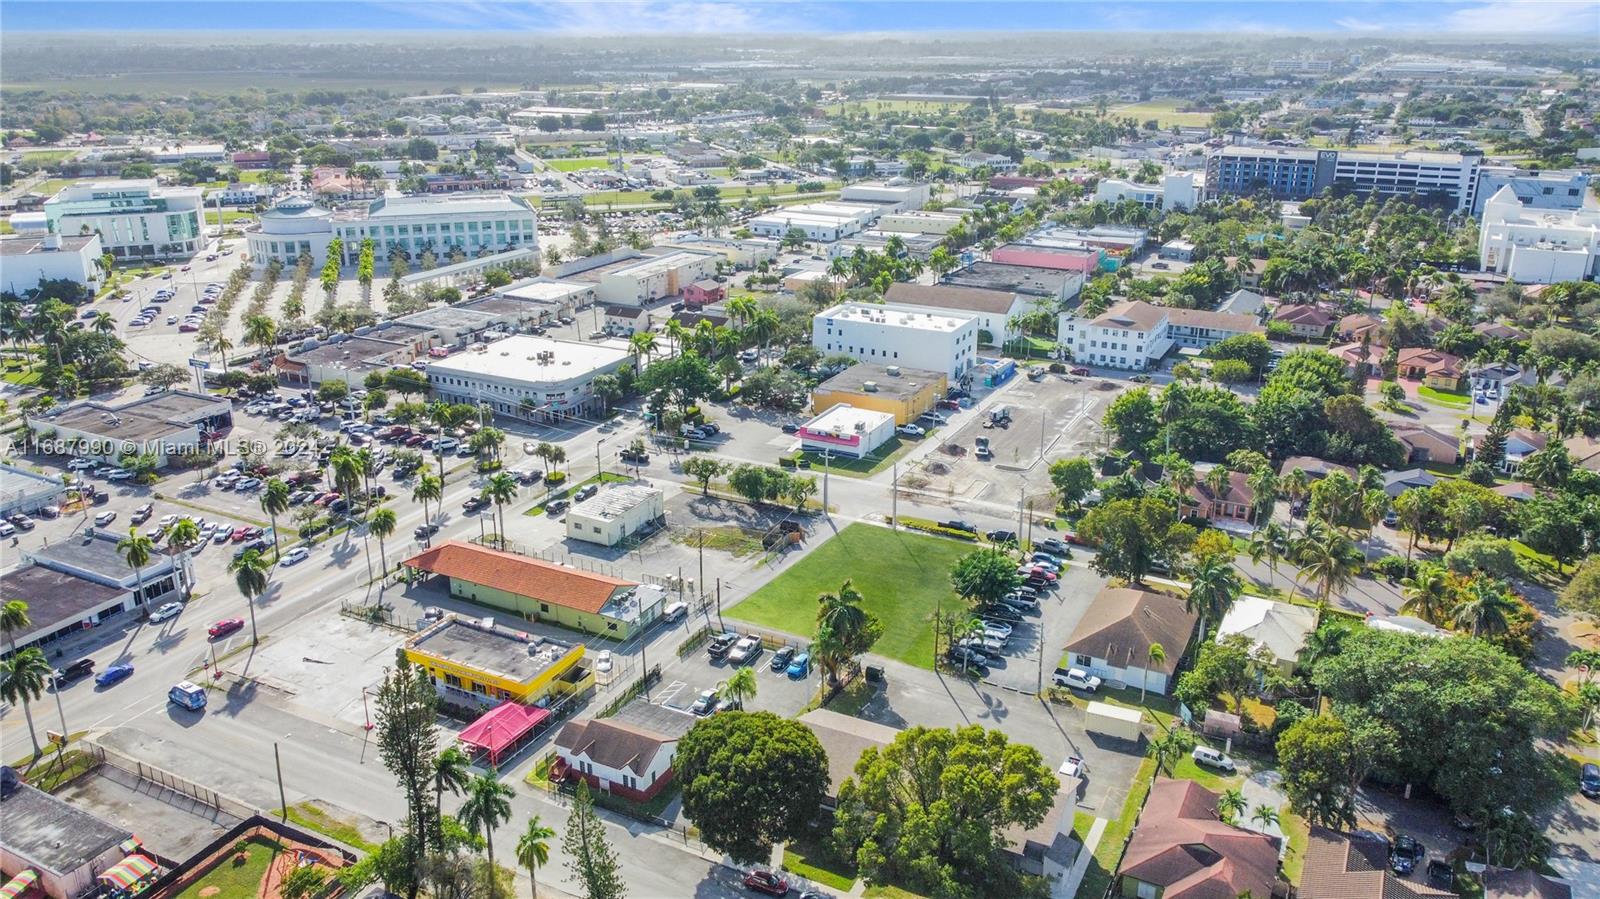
(1132, 417)
(452, 770)
(930, 810)
(23, 676)
(303, 882)
(1131, 535)
(844, 630)
(1229, 804)
(488, 805)
(382, 525)
(1156, 656)
(1214, 585)
(408, 743)
(741, 687)
(533, 850)
(428, 489)
(275, 502)
(590, 858)
(750, 781)
(985, 575)
(502, 491)
(14, 619)
(1171, 746)
(1317, 760)
(704, 469)
(136, 550)
(1072, 480)
(1485, 608)
(1220, 669)
(1581, 595)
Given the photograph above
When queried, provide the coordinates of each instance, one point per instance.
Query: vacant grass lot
(573, 165)
(1164, 111)
(231, 878)
(875, 107)
(903, 579)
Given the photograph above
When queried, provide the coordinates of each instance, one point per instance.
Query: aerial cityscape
(852, 448)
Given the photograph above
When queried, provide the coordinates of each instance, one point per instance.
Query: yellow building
(477, 662)
(904, 393)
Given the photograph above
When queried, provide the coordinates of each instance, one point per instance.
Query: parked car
(169, 610)
(1406, 854)
(1076, 679)
(800, 667)
(968, 657)
(113, 675)
(225, 627)
(746, 650)
(1072, 767)
(1211, 758)
(956, 524)
(1589, 780)
(766, 882)
(1441, 874)
(720, 644)
(911, 430)
(705, 703)
(1001, 536)
(780, 659)
(105, 518)
(1053, 546)
(556, 507)
(424, 531)
(474, 503)
(585, 492)
(71, 672)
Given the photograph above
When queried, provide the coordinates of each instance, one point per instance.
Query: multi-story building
(471, 223)
(137, 219)
(1177, 190)
(649, 278)
(891, 334)
(1463, 180)
(1538, 246)
(900, 196)
(27, 261)
(528, 377)
(1134, 334)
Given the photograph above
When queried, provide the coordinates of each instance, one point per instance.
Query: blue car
(801, 666)
(113, 675)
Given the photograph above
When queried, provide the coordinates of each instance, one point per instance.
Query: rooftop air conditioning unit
(894, 371)
(861, 427)
(869, 386)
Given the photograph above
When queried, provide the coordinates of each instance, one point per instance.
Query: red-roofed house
(1304, 319)
(1181, 850)
(1233, 503)
(1352, 327)
(1436, 369)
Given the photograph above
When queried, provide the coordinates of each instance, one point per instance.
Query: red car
(240, 534)
(766, 882)
(326, 498)
(952, 405)
(1080, 371)
(1034, 571)
(1073, 538)
(225, 627)
(415, 439)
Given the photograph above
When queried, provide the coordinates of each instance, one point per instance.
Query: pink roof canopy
(500, 728)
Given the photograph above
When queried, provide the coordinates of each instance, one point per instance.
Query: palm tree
(1269, 542)
(1230, 803)
(250, 576)
(261, 331)
(22, 680)
(644, 345)
(381, 525)
(136, 549)
(839, 617)
(677, 334)
(502, 489)
(1486, 608)
(184, 533)
(1156, 655)
(488, 806)
(740, 687)
(1327, 556)
(533, 849)
(274, 502)
(429, 488)
(1213, 587)
(1427, 593)
(1265, 815)
(452, 770)
(13, 620)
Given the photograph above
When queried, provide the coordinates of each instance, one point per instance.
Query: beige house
(1424, 444)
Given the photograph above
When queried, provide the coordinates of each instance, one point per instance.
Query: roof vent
(893, 370)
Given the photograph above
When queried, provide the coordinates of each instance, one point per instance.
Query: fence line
(169, 781)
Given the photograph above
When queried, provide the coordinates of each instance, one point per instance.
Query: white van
(190, 696)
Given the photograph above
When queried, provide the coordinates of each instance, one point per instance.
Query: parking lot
(1035, 645)
(683, 680)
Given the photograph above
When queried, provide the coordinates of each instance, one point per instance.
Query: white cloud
(1527, 17)
(619, 16)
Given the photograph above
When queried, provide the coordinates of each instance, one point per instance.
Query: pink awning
(502, 727)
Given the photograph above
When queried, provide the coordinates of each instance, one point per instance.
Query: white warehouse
(1538, 246)
(654, 277)
(891, 334)
(616, 513)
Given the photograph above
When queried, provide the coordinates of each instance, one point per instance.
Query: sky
(1571, 18)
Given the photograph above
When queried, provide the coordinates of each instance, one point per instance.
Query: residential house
(1585, 452)
(1232, 504)
(1279, 628)
(1424, 444)
(1243, 302)
(1341, 866)
(627, 320)
(1434, 368)
(1520, 444)
(1353, 327)
(1499, 377)
(1112, 639)
(843, 739)
(1517, 491)
(1398, 482)
(619, 757)
(1181, 849)
(1315, 469)
(1503, 883)
(1499, 331)
(704, 293)
(1304, 320)
(1249, 278)
(1355, 356)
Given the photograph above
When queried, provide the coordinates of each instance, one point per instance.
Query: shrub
(932, 527)
(1058, 368)
(555, 477)
(1288, 713)
(1392, 568)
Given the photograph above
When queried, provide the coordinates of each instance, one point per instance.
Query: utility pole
(719, 605)
(894, 498)
(1021, 499)
(827, 455)
(702, 581)
(283, 802)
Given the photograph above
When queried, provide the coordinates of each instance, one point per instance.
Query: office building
(347, 359)
(1054, 284)
(166, 425)
(442, 224)
(528, 377)
(1536, 246)
(616, 513)
(1134, 334)
(137, 220)
(477, 662)
(905, 393)
(1463, 181)
(994, 309)
(27, 261)
(898, 335)
(1085, 260)
(644, 280)
(1177, 190)
(818, 221)
(844, 430)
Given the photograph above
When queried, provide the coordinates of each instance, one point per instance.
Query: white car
(119, 474)
(80, 464)
(7, 529)
(1072, 767)
(602, 662)
(105, 518)
(294, 557)
(909, 430)
(1076, 679)
(167, 521)
(998, 628)
(222, 535)
(170, 610)
(1211, 758)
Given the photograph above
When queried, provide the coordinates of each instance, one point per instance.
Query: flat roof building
(905, 393)
(477, 662)
(1534, 246)
(993, 309)
(617, 513)
(137, 219)
(1056, 284)
(25, 262)
(844, 430)
(342, 358)
(529, 377)
(898, 335)
(657, 276)
(167, 424)
(27, 491)
(443, 223)
(64, 845)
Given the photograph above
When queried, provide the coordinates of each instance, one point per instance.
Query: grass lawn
(889, 891)
(573, 165)
(1186, 769)
(854, 697)
(231, 878)
(727, 538)
(902, 578)
(810, 857)
(312, 817)
(48, 157)
(565, 489)
(1444, 397)
(229, 216)
(23, 378)
(1164, 111)
(880, 459)
(874, 107)
(53, 772)
(1298, 833)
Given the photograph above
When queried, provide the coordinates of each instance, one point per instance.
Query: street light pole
(827, 456)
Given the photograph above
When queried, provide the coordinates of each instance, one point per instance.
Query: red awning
(501, 728)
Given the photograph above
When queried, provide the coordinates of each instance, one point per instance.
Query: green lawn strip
(573, 165)
(566, 489)
(231, 516)
(1444, 397)
(234, 878)
(314, 818)
(854, 697)
(880, 459)
(889, 891)
(1298, 833)
(810, 857)
(902, 578)
(54, 772)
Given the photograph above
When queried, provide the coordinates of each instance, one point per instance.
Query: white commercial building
(919, 222)
(1177, 190)
(616, 513)
(1538, 246)
(891, 334)
(26, 261)
(1134, 334)
(473, 223)
(654, 277)
(899, 195)
(819, 221)
(845, 430)
(528, 377)
(136, 219)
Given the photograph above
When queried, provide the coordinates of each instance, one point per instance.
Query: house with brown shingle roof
(617, 756)
(1304, 319)
(1233, 503)
(1585, 452)
(1502, 883)
(1435, 368)
(1499, 331)
(1338, 866)
(536, 590)
(1352, 327)
(993, 309)
(1315, 469)
(1354, 355)
(1112, 639)
(1424, 444)
(1181, 850)
(1251, 277)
